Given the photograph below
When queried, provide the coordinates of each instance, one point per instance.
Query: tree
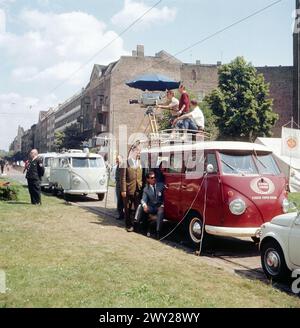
(241, 102)
(73, 137)
(59, 140)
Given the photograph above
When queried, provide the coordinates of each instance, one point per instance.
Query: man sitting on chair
(152, 201)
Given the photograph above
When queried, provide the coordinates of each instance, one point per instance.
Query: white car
(280, 246)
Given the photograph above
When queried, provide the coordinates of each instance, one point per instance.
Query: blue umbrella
(153, 82)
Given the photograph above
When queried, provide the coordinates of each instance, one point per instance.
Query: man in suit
(152, 200)
(35, 171)
(131, 186)
(120, 203)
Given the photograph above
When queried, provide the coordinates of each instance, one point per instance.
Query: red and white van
(240, 187)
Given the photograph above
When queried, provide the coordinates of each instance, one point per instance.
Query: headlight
(76, 180)
(285, 205)
(237, 207)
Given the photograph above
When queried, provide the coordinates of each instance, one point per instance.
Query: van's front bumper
(233, 232)
(85, 191)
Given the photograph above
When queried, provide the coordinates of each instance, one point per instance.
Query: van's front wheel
(101, 197)
(194, 229)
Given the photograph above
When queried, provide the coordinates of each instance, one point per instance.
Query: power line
(108, 44)
(228, 27)
(170, 56)
(257, 12)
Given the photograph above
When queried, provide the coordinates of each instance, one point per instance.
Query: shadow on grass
(258, 274)
(18, 203)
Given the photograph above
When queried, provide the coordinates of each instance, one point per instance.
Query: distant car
(280, 246)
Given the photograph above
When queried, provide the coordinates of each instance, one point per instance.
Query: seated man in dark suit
(152, 201)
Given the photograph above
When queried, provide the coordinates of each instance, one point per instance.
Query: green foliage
(59, 140)
(70, 138)
(8, 191)
(210, 118)
(210, 121)
(241, 102)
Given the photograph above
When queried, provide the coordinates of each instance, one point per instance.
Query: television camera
(149, 101)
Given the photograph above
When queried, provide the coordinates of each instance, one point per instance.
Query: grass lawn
(58, 255)
(295, 197)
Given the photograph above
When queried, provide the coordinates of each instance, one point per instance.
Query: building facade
(28, 141)
(67, 113)
(105, 103)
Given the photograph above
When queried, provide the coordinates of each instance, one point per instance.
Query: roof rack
(174, 136)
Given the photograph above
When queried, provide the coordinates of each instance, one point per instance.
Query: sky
(48, 47)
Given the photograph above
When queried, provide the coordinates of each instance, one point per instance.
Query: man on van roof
(191, 121)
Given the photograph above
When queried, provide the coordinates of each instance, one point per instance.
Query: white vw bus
(79, 173)
(46, 160)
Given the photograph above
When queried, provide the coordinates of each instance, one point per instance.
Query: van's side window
(55, 163)
(175, 163)
(212, 159)
(194, 162)
(64, 162)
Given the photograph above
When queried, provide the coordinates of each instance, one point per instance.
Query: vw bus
(46, 160)
(236, 188)
(79, 173)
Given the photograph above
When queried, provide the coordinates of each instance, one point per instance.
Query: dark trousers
(158, 211)
(120, 203)
(131, 203)
(2, 169)
(34, 187)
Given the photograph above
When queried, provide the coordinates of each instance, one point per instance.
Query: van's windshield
(248, 164)
(81, 162)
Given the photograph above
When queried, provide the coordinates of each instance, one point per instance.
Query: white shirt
(198, 117)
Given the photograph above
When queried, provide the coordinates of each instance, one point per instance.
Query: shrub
(8, 191)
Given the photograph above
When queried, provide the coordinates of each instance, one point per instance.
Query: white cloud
(17, 110)
(53, 42)
(48, 51)
(2, 21)
(132, 10)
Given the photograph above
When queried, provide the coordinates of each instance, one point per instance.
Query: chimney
(198, 62)
(219, 63)
(140, 50)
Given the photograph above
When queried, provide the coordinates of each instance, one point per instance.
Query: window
(194, 75)
(238, 164)
(195, 162)
(175, 163)
(266, 164)
(47, 162)
(212, 159)
(63, 162)
(80, 162)
(96, 162)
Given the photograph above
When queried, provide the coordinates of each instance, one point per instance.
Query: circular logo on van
(291, 143)
(262, 186)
